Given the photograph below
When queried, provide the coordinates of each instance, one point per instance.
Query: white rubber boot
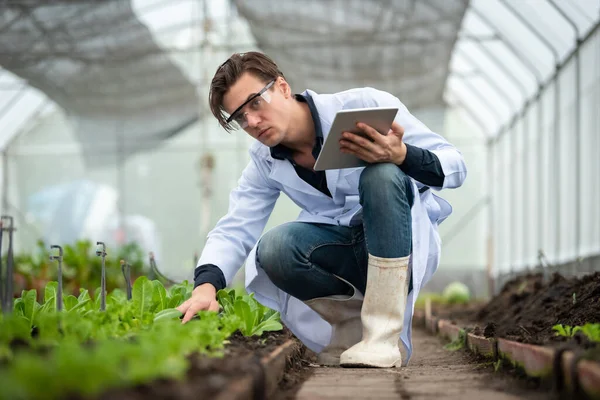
(382, 315)
(343, 313)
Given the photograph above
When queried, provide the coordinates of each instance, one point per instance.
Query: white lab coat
(234, 238)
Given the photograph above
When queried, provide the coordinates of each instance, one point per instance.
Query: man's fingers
(194, 307)
(183, 306)
(214, 306)
(371, 132)
(189, 314)
(355, 141)
(358, 151)
(397, 129)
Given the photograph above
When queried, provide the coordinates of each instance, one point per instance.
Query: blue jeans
(302, 258)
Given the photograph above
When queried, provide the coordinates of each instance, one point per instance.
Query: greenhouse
(124, 198)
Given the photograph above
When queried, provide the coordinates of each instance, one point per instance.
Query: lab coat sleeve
(419, 135)
(231, 240)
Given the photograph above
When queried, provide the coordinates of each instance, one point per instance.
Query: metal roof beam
(519, 54)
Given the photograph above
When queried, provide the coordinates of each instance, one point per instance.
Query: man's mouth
(263, 131)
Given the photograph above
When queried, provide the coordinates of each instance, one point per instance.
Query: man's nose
(253, 120)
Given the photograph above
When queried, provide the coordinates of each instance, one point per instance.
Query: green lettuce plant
(590, 330)
(254, 317)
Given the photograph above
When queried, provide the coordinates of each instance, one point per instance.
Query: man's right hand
(204, 297)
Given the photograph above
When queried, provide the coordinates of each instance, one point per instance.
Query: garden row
(81, 350)
(546, 326)
(128, 342)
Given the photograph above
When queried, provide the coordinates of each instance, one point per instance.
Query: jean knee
(273, 252)
(380, 178)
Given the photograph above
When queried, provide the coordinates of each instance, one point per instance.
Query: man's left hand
(381, 148)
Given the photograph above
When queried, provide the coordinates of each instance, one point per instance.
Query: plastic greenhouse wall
(543, 217)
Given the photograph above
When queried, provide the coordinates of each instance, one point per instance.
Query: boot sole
(328, 360)
(397, 364)
(370, 360)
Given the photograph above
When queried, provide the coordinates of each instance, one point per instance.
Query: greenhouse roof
(142, 66)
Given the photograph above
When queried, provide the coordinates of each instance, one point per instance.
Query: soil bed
(528, 307)
(208, 377)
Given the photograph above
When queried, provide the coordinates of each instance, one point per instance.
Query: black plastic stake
(59, 258)
(126, 269)
(10, 264)
(151, 274)
(7, 304)
(103, 278)
(156, 273)
(153, 266)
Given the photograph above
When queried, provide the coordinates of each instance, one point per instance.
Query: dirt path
(434, 373)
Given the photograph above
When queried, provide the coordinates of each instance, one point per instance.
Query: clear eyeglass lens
(234, 125)
(241, 121)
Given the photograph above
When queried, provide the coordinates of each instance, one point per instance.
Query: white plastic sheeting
(102, 66)
(508, 49)
(545, 170)
(401, 46)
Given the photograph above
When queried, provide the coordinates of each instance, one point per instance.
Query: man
(346, 273)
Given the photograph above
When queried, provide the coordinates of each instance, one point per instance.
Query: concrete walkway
(433, 373)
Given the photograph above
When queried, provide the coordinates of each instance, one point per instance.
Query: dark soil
(528, 307)
(208, 377)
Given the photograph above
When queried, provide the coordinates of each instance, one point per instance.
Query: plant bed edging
(263, 378)
(535, 361)
(585, 379)
(449, 330)
(483, 346)
(589, 378)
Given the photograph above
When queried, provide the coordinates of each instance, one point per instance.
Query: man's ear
(284, 86)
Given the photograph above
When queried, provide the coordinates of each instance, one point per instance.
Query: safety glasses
(255, 104)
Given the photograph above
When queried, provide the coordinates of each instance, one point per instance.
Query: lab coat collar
(284, 173)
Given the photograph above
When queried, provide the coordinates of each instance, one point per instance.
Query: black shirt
(421, 165)
(316, 179)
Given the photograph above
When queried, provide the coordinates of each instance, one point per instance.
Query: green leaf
(83, 295)
(243, 310)
(81, 306)
(19, 307)
(560, 330)
(175, 301)
(267, 325)
(70, 302)
(224, 297)
(142, 296)
(255, 307)
(48, 306)
(98, 298)
(169, 313)
(30, 305)
(117, 296)
(592, 331)
(271, 322)
(88, 313)
(159, 296)
(51, 292)
(184, 289)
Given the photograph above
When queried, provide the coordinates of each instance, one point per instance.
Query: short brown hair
(230, 71)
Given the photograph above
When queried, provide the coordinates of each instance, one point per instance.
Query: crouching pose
(345, 274)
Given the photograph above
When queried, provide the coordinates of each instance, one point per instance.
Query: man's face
(266, 116)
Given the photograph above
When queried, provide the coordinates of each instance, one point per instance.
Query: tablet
(330, 156)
